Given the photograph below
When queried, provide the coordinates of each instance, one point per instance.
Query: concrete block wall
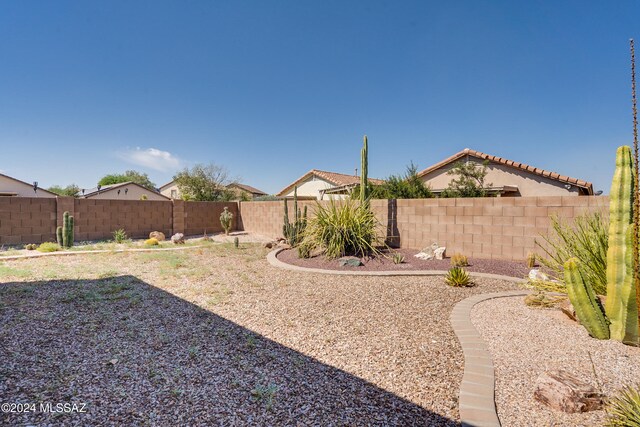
(97, 219)
(205, 216)
(27, 220)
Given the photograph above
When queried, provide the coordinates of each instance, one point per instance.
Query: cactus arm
(364, 165)
(584, 301)
(70, 232)
(59, 236)
(65, 229)
(621, 303)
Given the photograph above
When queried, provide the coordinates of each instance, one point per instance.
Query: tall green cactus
(364, 165)
(64, 234)
(622, 306)
(584, 301)
(293, 231)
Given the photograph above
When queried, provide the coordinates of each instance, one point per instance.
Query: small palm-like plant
(120, 236)
(458, 277)
(624, 408)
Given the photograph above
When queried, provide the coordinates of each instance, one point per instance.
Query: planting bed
(385, 263)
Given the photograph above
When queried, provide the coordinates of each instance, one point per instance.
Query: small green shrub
(151, 242)
(624, 408)
(226, 219)
(458, 277)
(49, 247)
(343, 228)
(586, 239)
(31, 246)
(397, 258)
(459, 260)
(265, 394)
(120, 236)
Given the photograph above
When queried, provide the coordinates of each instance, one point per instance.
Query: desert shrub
(624, 408)
(397, 258)
(31, 246)
(151, 242)
(120, 236)
(459, 260)
(531, 260)
(49, 247)
(343, 228)
(458, 277)
(586, 239)
(226, 218)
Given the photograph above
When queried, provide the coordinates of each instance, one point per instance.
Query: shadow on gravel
(137, 355)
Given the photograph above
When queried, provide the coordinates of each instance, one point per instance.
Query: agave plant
(624, 408)
(458, 277)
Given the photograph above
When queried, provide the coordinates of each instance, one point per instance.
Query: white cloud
(152, 158)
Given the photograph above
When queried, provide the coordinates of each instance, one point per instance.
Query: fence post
(179, 216)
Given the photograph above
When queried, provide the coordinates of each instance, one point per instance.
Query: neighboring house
(507, 178)
(122, 191)
(170, 190)
(239, 189)
(321, 185)
(12, 187)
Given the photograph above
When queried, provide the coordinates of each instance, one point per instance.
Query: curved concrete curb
(477, 391)
(100, 251)
(274, 261)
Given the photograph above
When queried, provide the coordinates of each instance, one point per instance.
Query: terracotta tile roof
(247, 188)
(588, 187)
(337, 179)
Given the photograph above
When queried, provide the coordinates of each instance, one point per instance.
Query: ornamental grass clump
(624, 408)
(49, 247)
(343, 228)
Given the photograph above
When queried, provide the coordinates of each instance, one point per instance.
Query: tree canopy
(204, 183)
(130, 175)
(70, 190)
(407, 186)
(470, 181)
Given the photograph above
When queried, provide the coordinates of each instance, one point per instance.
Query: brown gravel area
(216, 336)
(541, 340)
(478, 265)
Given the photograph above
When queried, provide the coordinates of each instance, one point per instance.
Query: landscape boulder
(349, 261)
(439, 253)
(428, 252)
(158, 235)
(178, 238)
(562, 391)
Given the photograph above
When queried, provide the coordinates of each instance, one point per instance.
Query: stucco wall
(168, 192)
(312, 187)
(134, 193)
(23, 190)
(529, 185)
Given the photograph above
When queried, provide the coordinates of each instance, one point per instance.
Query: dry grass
(217, 336)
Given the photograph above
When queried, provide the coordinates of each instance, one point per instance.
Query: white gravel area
(525, 342)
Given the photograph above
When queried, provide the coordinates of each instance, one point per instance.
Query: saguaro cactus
(364, 165)
(64, 233)
(293, 231)
(621, 306)
(584, 301)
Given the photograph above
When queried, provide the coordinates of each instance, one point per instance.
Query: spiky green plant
(587, 240)
(531, 260)
(584, 301)
(293, 231)
(226, 219)
(364, 165)
(623, 410)
(458, 277)
(397, 258)
(636, 191)
(621, 305)
(64, 233)
(342, 228)
(236, 242)
(459, 260)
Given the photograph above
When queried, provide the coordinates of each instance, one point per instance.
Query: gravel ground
(507, 268)
(543, 340)
(216, 336)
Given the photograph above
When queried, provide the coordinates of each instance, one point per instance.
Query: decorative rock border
(272, 258)
(477, 391)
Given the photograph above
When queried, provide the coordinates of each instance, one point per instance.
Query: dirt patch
(411, 263)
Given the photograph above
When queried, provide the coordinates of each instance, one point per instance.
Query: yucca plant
(587, 240)
(397, 258)
(624, 408)
(458, 277)
(120, 236)
(342, 228)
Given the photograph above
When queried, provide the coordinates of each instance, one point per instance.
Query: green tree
(70, 190)
(469, 181)
(407, 186)
(204, 183)
(128, 176)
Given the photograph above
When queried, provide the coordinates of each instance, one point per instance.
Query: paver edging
(272, 258)
(476, 400)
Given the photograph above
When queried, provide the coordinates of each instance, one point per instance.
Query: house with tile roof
(122, 191)
(240, 189)
(13, 187)
(507, 177)
(323, 185)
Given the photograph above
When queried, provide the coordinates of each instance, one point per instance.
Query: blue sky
(271, 89)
